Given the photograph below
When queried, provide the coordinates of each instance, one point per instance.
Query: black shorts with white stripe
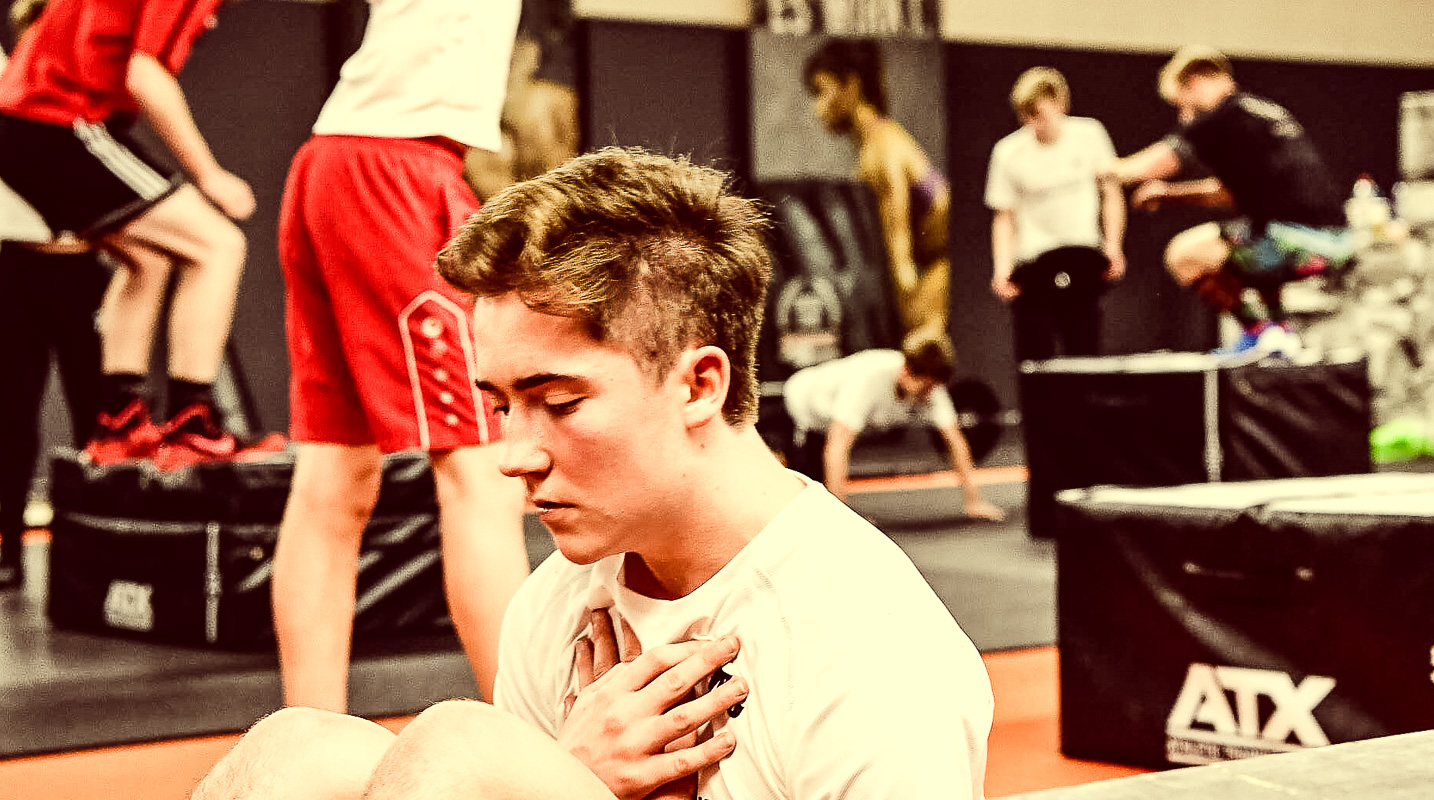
(87, 179)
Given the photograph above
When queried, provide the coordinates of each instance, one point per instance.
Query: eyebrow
(525, 383)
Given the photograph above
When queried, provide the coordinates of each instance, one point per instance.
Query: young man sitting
(618, 302)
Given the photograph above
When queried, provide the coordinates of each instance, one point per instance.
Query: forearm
(1156, 162)
(896, 234)
(1112, 214)
(836, 459)
(161, 100)
(1206, 192)
(959, 453)
(893, 208)
(1003, 245)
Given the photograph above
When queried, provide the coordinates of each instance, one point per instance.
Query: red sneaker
(125, 436)
(194, 437)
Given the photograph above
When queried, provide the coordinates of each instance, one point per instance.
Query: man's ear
(706, 372)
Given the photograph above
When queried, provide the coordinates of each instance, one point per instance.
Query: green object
(1401, 439)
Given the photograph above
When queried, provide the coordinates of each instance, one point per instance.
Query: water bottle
(1367, 211)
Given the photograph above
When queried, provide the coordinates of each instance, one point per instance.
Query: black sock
(182, 394)
(118, 390)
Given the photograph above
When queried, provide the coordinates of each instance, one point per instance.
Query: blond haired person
(1286, 216)
(1056, 231)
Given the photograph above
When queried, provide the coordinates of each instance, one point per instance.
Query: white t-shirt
(1051, 187)
(427, 68)
(859, 391)
(861, 684)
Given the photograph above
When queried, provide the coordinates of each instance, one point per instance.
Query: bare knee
(299, 753)
(459, 748)
(346, 486)
(224, 246)
(143, 267)
(472, 721)
(1196, 252)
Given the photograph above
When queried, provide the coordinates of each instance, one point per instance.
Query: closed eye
(564, 407)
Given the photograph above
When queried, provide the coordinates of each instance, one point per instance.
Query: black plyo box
(1166, 419)
(184, 557)
(1218, 621)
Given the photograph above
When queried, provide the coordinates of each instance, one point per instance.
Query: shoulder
(868, 645)
(881, 356)
(866, 361)
(843, 574)
(1088, 126)
(1010, 143)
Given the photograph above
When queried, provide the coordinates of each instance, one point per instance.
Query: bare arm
(960, 453)
(1206, 192)
(162, 102)
(893, 200)
(1112, 223)
(1156, 162)
(1003, 254)
(836, 458)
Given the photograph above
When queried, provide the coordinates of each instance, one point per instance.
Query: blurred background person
(831, 403)
(1286, 219)
(380, 348)
(846, 81)
(48, 303)
(1056, 230)
(540, 114)
(78, 81)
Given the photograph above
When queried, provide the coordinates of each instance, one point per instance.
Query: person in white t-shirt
(831, 403)
(1057, 232)
(713, 625)
(379, 347)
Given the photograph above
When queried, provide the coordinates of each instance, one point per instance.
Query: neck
(1049, 137)
(864, 122)
(739, 488)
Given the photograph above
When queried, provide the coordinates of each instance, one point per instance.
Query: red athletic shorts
(380, 348)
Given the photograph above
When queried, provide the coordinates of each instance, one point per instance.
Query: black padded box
(1166, 419)
(1217, 621)
(185, 556)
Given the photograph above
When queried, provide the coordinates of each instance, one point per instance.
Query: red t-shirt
(72, 63)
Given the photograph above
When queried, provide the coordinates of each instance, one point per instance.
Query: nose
(523, 452)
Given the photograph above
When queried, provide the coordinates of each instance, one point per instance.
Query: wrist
(206, 173)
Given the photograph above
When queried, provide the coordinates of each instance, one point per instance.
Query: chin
(578, 551)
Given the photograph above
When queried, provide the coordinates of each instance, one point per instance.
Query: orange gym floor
(1024, 753)
(998, 582)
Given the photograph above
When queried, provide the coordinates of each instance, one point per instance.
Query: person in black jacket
(1289, 220)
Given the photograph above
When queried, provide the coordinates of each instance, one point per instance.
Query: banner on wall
(832, 292)
(914, 18)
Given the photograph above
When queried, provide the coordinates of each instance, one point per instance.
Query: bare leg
(299, 753)
(334, 491)
(484, 555)
(129, 314)
(470, 750)
(1195, 253)
(209, 249)
(931, 303)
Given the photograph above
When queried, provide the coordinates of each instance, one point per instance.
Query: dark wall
(1350, 111)
(673, 89)
(257, 82)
